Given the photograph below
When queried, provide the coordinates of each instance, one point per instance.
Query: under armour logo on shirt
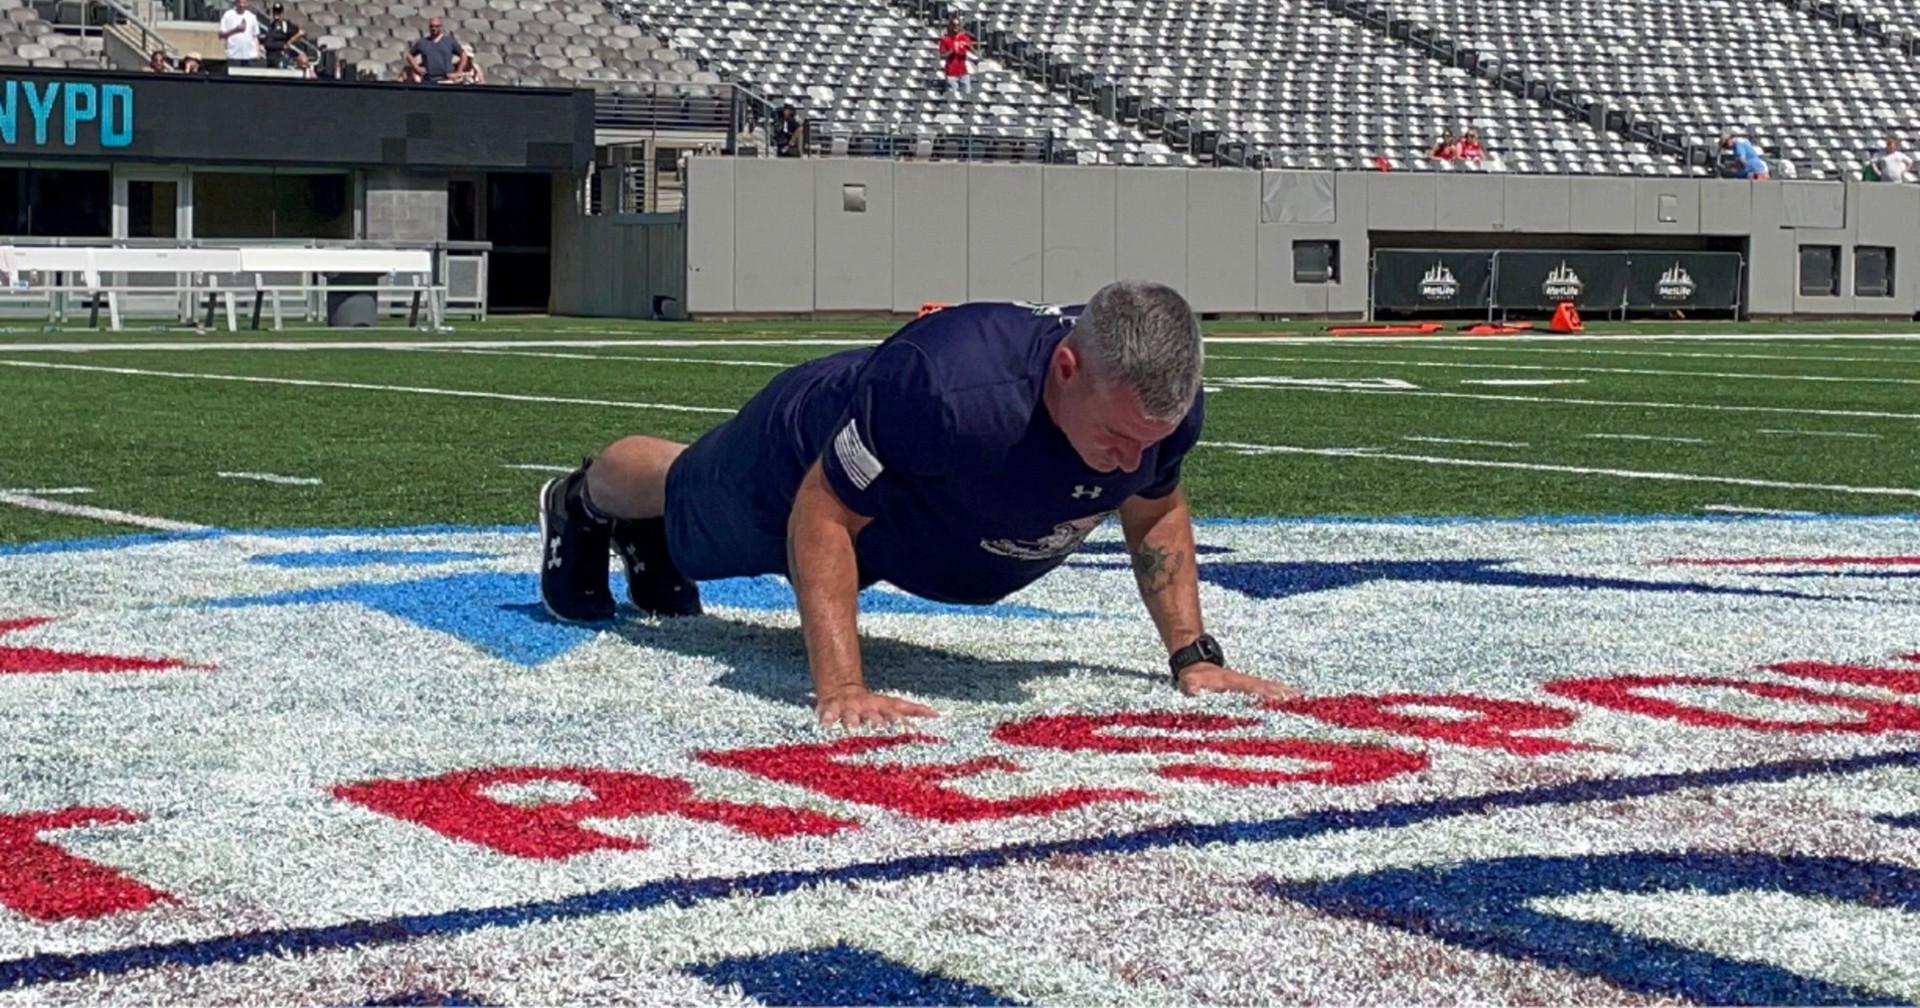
(1081, 490)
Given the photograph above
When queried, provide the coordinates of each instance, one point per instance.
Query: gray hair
(1143, 336)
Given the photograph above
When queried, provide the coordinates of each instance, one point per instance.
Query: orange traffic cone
(1567, 319)
(929, 307)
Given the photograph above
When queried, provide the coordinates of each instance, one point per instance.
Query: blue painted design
(775, 593)
(495, 612)
(1274, 580)
(1482, 905)
(56, 967)
(434, 999)
(840, 975)
(366, 558)
(1904, 821)
(1113, 547)
(113, 542)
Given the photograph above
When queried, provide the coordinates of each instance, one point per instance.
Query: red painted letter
(1623, 693)
(911, 788)
(46, 883)
(1897, 680)
(1345, 763)
(457, 805)
(1492, 724)
(30, 660)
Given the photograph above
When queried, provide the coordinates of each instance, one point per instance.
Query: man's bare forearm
(826, 581)
(1160, 542)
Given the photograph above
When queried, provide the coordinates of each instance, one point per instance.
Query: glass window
(272, 205)
(56, 202)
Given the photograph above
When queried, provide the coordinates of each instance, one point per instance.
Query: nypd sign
(1596, 761)
(65, 113)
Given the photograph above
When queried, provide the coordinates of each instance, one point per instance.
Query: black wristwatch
(1205, 649)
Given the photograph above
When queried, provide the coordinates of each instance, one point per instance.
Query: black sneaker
(653, 582)
(573, 552)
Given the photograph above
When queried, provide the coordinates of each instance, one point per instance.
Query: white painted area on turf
(33, 502)
(49, 491)
(1775, 512)
(368, 387)
(1649, 437)
(537, 467)
(1468, 441)
(1608, 403)
(719, 361)
(1334, 383)
(1523, 381)
(1656, 372)
(1821, 433)
(1442, 460)
(259, 477)
(1715, 355)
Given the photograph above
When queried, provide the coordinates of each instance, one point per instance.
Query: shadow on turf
(770, 662)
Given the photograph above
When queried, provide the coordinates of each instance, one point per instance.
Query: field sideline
(162, 429)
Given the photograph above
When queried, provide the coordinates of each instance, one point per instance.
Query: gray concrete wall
(405, 206)
(612, 266)
(786, 236)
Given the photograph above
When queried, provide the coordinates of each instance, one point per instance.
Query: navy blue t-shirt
(940, 436)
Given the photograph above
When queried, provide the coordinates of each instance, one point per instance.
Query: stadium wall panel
(1005, 232)
(1602, 206)
(930, 234)
(1078, 232)
(1666, 206)
(1223, 214)
(853, 234)
(774, 253)
(710, 227)
(955, 232)
(1473, 203)
(1150, 225)
(1536, 204)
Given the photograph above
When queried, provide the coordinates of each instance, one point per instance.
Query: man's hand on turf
(1206, 677)
(859, 707)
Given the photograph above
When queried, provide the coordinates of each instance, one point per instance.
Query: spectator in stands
(1447, 148)
(1470, 149)
(1892, 164)
(240, 30)
(468, 71)
(157, 63)
(789, 133)
(1748, 163)
(956, 46)
(279, 37)
(435, 57)
(305, 66)
(190, 64)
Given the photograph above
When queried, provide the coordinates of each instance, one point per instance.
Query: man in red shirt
(955, 46)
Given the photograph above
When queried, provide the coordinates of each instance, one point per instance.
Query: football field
(1610, 645)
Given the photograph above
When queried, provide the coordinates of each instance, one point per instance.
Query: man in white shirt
(1892, 164)
(240, 30)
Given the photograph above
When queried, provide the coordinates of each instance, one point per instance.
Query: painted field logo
(1563, 284)
(1676, 284)
(1540, 762)
(1438, 284)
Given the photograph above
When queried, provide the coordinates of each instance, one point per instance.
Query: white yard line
(425, 345)
(1736, 509)
(1649, 437)
(1609, 403)
(1821, 433)
(49, 491)
(1660, 372)
(271, 478)
(1716, 355)
(1442, 460)
(1467, 441)
(1523, 381)
(36, 503)
(536, 467)
(368, 387)
(618, 357)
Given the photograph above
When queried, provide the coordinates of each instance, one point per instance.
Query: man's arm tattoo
(1154, 568)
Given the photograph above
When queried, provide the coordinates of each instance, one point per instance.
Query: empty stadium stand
(27, 38)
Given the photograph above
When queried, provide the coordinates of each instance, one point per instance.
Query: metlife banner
(1593, 281)
(1407, 280)
(1684, 280)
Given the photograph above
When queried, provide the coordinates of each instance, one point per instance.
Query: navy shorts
(729, 494)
